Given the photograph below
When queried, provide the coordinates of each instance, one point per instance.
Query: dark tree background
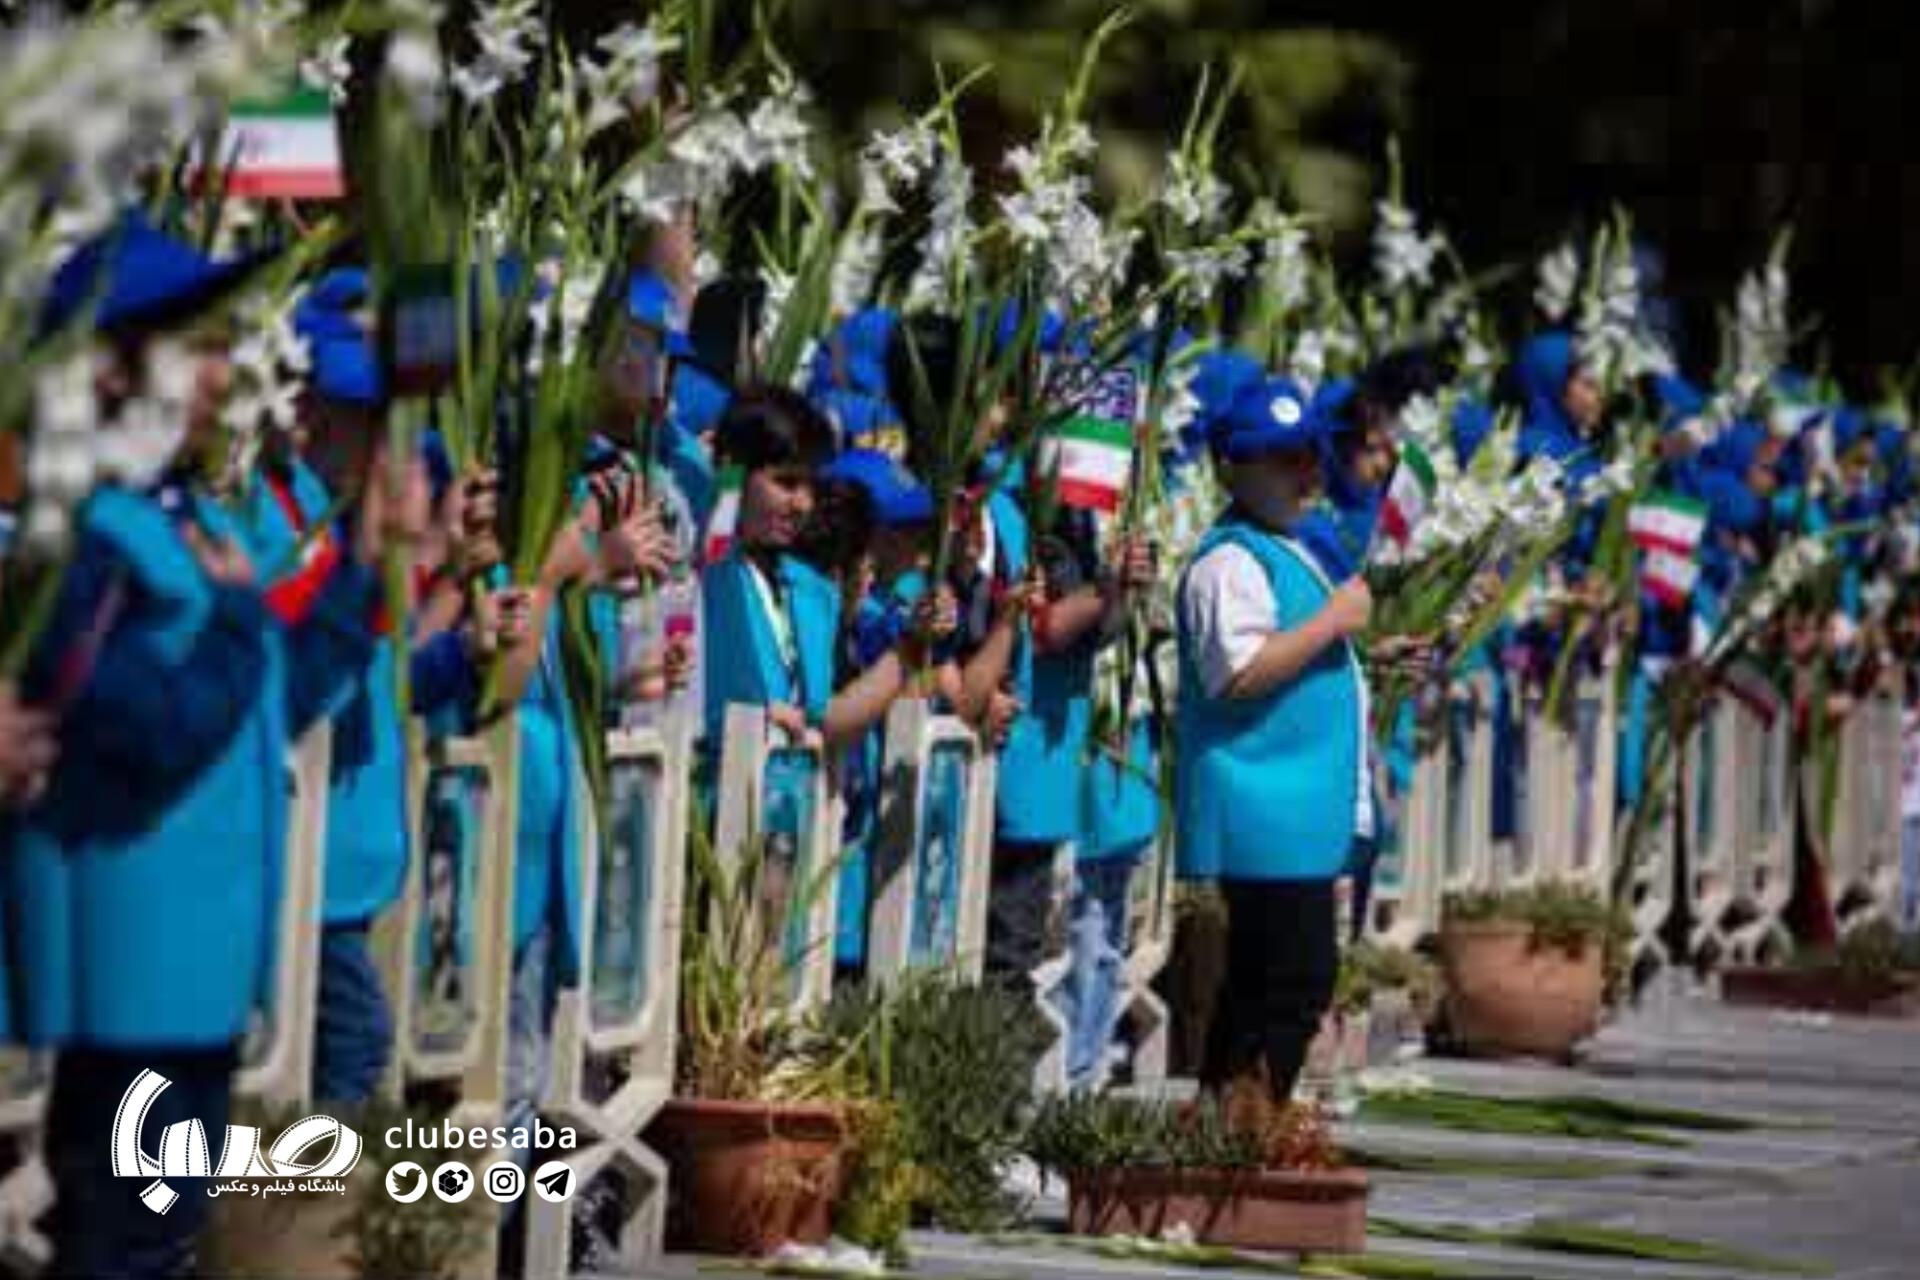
(1712, 122)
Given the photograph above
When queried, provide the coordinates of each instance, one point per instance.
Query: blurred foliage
(1521, 123)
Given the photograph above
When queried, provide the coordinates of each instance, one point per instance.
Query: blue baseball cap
(137, 277)
(1269, 416)
(864, 337)
(328, 309)
(898, 498)
(346, 370)
(650, 302)
(858, 417)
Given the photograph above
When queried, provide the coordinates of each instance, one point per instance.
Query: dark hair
(726, 315)
(923, 347)
(842, 525)
(773, 427)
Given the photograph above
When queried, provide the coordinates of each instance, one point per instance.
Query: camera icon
(505, 1181)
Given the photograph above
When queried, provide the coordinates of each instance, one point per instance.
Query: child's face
(1371, 462)
(1582, 400)
(775, 504)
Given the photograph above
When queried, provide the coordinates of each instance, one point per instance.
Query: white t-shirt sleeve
(1229, 611)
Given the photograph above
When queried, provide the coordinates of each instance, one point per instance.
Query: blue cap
(327, 309)
(699, 399)
(650, 302)
(137, 277)
(863, 338)
(346, 371)
(898, 498)
(1269, 416)
(1679, 400)
(1473, 422)
(1218, 379)
(858, 417)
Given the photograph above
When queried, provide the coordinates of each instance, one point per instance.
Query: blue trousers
(100, 1228)
(354, 1028)
(1097, 942)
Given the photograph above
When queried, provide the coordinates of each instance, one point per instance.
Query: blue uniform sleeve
(135, 697)
(331, 647)
(441, 675)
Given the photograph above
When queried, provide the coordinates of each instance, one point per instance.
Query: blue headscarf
(1545, 365)
(1473, 422)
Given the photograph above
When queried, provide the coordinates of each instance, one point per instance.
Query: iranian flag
(1409, 496)
(726, 515)
(1668, 576)
(1667, 522)
(287, 147)
(1092, 453)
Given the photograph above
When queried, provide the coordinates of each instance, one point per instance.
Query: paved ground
(1830, 1180)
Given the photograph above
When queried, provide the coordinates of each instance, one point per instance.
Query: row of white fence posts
(445, 948)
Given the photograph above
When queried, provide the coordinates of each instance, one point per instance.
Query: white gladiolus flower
(329, 68)
(628, 76)
(779, 292)
(508, 34)
(1307, 362)
(777, 132)
(854, 270)
(1557, 279)
(943, 250)
(1422, 421)
(1194, 196)
(415, 72)
(60, 454)
(900, 159)
(1285, 268)
(1402, 257)
(1203, 270)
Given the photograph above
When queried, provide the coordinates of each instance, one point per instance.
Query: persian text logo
(183, 1148)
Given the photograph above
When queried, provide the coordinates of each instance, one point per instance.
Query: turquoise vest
(546, 887)
(366, 861)
(743, 658)
(165, 938)
(1266, 789)
(1036, 797)
(1121, 806)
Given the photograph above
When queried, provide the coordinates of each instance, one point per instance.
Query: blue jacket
(1266, 790)
(366, 860)
(156, 926)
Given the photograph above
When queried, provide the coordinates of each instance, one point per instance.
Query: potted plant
(1526, 970)
(1141, 1168)
(363, 1233)
(758, 1130)
(1384, 995)
(1874, 971)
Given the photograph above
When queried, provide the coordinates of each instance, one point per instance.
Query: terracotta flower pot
(1507, 996)
(1268, 1209)
(750, 1176)
(1826, 990)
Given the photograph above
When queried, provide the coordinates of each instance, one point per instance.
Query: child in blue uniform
(148, 881)
(1271, 780)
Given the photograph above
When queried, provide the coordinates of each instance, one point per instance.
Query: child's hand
(1002, 710)
(28, 750)
(501, 619)
(476, 539)
(937, 616)
(792, 722)
(1350, 607)
(1133, 565)
(224, 560)
(639, 548)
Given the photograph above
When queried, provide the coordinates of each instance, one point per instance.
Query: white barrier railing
(783, 795)
(614, 1034)
(1466, 855)
(1865, 846)
(276, 1060)
(931, 861)
(1764, 813)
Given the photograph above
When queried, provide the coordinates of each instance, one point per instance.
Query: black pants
(1282, 958)
(1022, 916)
